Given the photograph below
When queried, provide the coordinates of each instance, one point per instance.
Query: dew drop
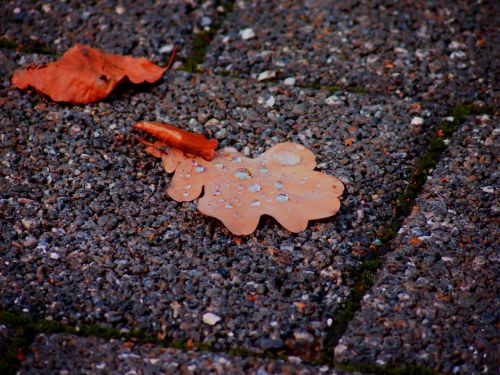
(263, 169)
(199, 169)
(187, 187)
(242, 174)
(229, 205)
(217, 192)
(278, 185)
(219, 166)
(185, 194)
(236, 159)
(282, 198)
(188, 175)
(254, 188)
(286, 157)
(255, 203)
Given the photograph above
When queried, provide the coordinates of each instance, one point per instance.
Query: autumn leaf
(192, 143)
(85, 75)
(280, 183)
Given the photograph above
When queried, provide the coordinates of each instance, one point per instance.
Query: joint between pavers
(9, 44)
(29, 327)
(202, 40)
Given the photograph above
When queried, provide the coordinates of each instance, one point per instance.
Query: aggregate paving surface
(89, 234)
(148, 29)
(433, 50)
(436, 300)
(70, 354)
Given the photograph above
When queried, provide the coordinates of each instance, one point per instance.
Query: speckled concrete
(137, 28)
(91, 236)
(436, 301)
(433, 50)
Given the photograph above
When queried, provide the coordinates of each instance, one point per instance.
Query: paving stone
(435, 50)
(435, 303)
(71, 354)
(138, 28)
(89, 234)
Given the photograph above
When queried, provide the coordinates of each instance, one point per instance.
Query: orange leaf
(192, 143)
(280, 183)
(85, 75)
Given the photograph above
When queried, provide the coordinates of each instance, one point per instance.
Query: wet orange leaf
(84, 75)
(280, 183)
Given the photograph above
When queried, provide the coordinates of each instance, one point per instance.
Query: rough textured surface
(428, 49)
(70, 354)
(147, 29)
(89, 234)
(436, 300)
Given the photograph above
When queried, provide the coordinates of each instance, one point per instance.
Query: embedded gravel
(89, 234)
(432, 50)
(71, 355)
(134, 28)
(436, 300)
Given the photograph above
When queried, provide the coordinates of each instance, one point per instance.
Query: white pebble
(54, 256)
(211, 319)
(166, 48)
(266, 75)
(290, 81)
(417, 121)
(247, 33)
(120, 9)
(333, 100)
(270, 102)
(488, 189)
(339, 350)
(28, 224)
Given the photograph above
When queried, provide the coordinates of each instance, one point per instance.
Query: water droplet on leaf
(255, 203)
(254, 188)
(242, 174)
(286, 157)
(282, 198)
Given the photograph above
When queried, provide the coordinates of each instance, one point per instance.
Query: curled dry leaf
(192, 143)
(280, 183)
(84, 75)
